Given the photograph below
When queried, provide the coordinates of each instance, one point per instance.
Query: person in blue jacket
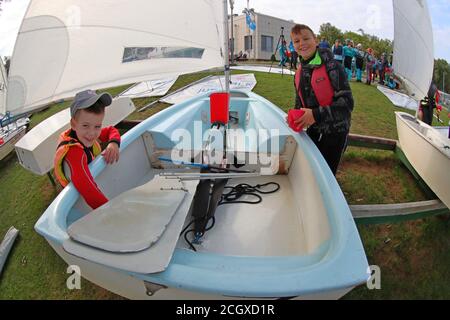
(294, 56)
(283, 54)
(349, 54)
(338, 51)
(324, 44)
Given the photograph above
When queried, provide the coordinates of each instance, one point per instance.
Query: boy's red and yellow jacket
(77, 156)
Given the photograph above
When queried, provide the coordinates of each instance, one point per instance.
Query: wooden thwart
(357, 140)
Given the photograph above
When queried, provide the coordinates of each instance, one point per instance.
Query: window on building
(131, 54)
(266, 43)
(248, 43)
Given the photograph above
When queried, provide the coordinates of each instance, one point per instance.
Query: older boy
(79, 145)
(324, 94)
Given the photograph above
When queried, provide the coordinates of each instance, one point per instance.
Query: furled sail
(413, 46)
(66, 46)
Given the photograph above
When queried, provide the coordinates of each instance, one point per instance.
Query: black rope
(231, 197)
(244, 189)
(188, 241)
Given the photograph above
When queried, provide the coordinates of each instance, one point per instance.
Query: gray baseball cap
(88, 98)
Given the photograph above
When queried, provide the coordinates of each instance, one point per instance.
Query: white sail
(413, 46)
(66, 46)
(3, 83)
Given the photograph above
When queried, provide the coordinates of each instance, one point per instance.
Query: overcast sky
(373, 16)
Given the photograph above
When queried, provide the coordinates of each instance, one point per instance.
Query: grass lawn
(413, 256)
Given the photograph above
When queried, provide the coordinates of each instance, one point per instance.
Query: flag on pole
(250, 19)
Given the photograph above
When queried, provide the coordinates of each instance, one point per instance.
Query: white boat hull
(428, 151)
(131, 287)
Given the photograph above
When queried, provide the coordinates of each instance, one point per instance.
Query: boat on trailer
(169, 230)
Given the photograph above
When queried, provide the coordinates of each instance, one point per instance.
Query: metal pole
(226, 47)
(232, 33)
(254, 39)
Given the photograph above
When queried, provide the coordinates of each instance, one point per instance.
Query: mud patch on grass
(49, 192)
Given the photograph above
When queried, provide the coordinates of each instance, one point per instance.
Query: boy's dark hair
(299, 27)
(96, 108)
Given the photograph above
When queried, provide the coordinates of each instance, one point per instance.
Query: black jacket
(335, 118)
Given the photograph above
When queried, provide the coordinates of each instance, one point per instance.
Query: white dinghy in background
(11, 130)
(425, 147)
(428, 150)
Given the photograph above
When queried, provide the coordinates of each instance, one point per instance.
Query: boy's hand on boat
(306, 120)
(111, 153)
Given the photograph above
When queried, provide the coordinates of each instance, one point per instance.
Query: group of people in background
(355, 60)
(288, 55)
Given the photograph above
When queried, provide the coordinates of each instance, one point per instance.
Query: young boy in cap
(79, 145)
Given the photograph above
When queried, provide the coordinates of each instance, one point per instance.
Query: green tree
(330, 33)
(442, 67)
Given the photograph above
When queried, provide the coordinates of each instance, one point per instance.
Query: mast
(226, 46)
(232, 32)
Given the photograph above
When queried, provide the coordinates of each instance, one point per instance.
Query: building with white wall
(261, 43)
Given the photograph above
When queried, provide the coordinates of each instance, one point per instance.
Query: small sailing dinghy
(11, 130)
(173, 227)
(426, 148)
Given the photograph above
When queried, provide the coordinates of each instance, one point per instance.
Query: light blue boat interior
(335, 262)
